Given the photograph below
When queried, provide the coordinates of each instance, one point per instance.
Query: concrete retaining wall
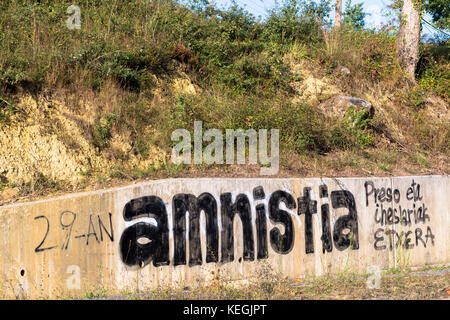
(188, 231)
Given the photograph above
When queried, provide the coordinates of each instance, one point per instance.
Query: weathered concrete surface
(48, 243)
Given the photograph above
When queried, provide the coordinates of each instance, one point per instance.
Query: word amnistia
(144, 242)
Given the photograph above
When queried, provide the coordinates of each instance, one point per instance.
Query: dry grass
(267, 285)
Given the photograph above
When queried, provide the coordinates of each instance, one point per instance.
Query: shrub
(433, 69)
(7, 109)
(370, 57)
(296, 20)
(102, 131)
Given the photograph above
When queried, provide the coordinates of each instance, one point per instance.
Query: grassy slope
(137, 70)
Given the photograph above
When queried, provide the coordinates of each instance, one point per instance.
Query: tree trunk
(408, 37)
(337, 16)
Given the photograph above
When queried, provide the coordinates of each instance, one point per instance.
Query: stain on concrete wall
(183, 231)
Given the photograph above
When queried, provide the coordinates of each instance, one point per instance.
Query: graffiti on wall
(390, 212)
(143, 242)
(97, 230)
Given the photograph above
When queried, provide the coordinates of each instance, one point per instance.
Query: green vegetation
(102, 130)
(7, 109)
(354, 15)
(434, 69)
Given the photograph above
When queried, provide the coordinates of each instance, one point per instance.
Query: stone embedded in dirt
(337, 106)
(345, 70)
